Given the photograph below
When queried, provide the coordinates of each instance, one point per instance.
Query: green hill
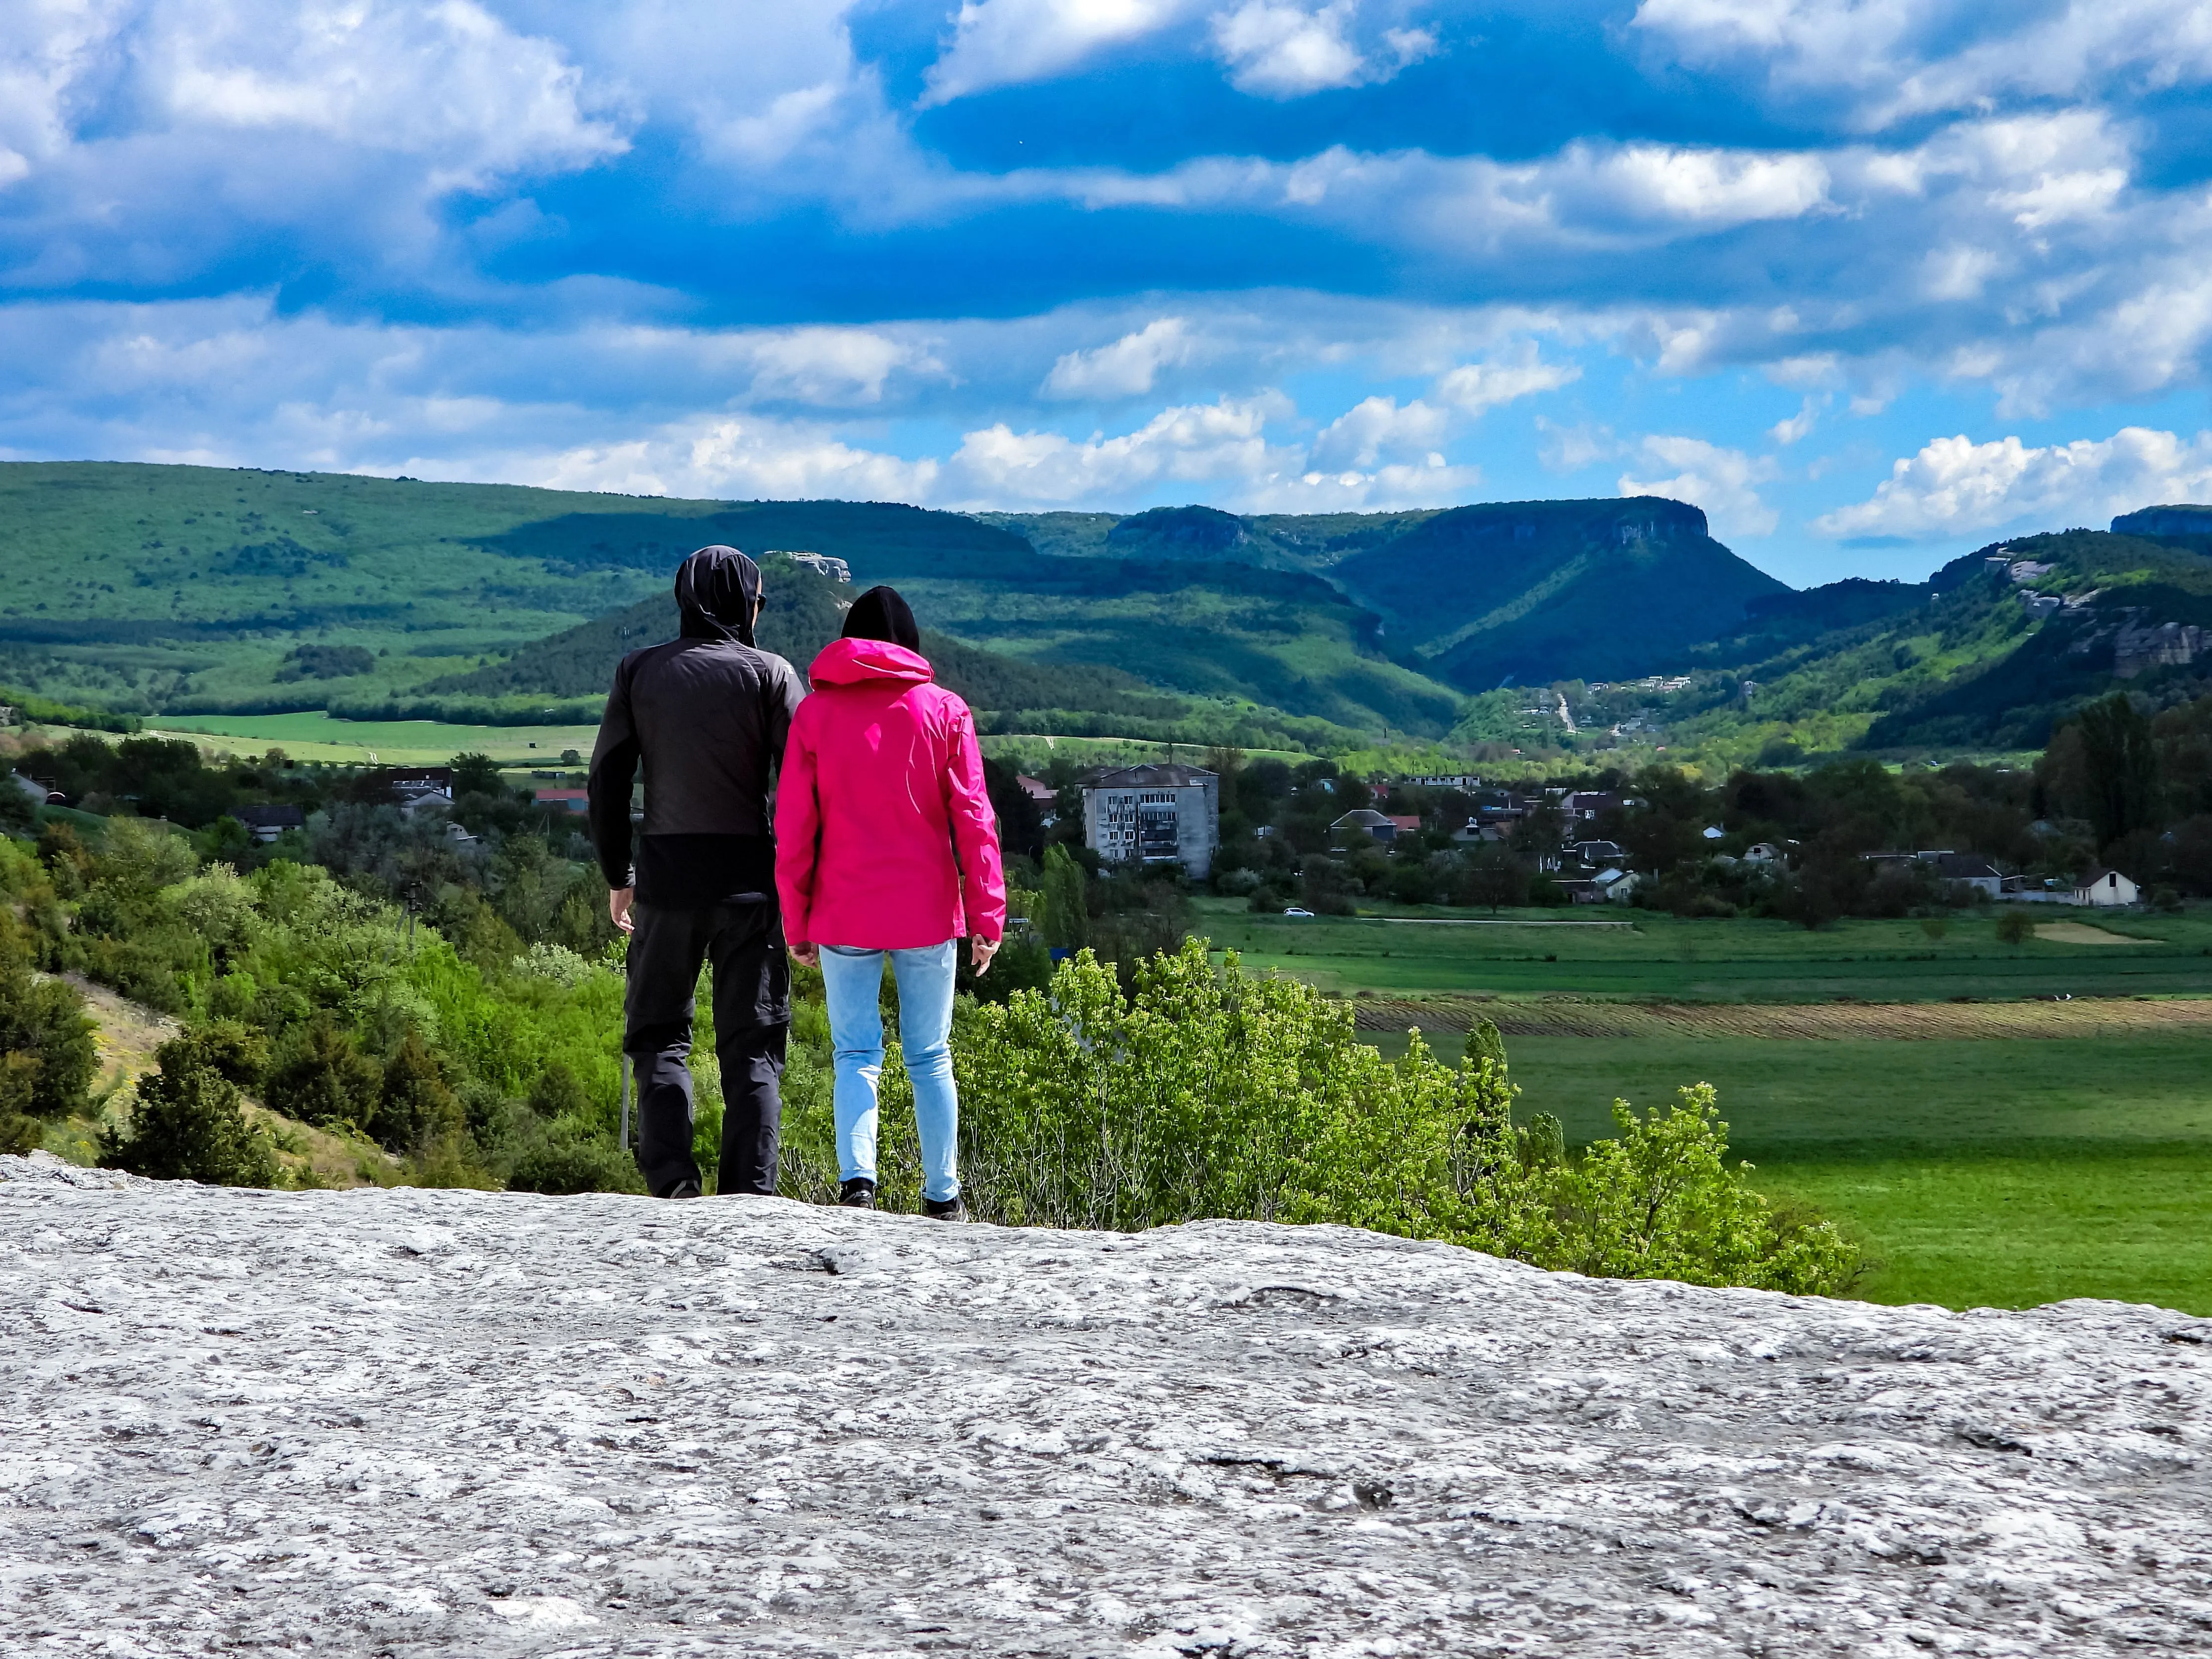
(166, 589)
(1987, 654)
(1520, 592)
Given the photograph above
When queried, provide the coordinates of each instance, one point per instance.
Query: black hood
(717, 588)
(881, 614)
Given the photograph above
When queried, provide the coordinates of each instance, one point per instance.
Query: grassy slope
(1963, 665)
(2006, 1172)
(181, 588)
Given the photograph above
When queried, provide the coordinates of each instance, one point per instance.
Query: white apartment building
(1159, 814)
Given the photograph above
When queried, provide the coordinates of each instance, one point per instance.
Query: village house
(1385, 827)
(2106, 889)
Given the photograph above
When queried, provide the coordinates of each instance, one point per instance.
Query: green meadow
(1977, 1171)
(316, 736)
(1437, 951)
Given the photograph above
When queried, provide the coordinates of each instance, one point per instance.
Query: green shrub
(2014, 928)
(320, 1076)
(20, 1131)
(188, 1126)
(1212, 1093)
(415, 1106)
(1661, 1202)
(43, 1020)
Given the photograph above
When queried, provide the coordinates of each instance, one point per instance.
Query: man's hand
(806, 956)
(619, 903)
(980, 951)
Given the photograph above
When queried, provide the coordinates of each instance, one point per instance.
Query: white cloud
(1956, 487)
(1474, 387)
(1797, 427)
(998, 43)
(1127, 367)
(1278, 50)
(447, 82)
(998, 466)
(1431, 482)
(1897, 59)
(828, 365)
(1373, 428)
(1723, 482)
(1570, 449)
(731, 458)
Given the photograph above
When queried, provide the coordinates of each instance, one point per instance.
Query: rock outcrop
(425, 1423)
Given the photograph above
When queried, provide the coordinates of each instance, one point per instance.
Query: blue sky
(1872, 282)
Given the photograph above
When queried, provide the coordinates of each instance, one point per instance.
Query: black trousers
(752, 1018)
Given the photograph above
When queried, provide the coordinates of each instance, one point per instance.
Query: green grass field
(1660, 958)
(316, 736)
(1978, 1172)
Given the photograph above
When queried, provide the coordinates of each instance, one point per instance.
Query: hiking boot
(945, 1209)
(683, 1189)
(858, 1194)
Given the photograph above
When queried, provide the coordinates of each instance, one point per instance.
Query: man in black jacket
(707, 714)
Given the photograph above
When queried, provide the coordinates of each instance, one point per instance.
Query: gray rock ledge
(418, 1423)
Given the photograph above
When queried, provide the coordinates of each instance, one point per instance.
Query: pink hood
(885, 836)
(857, 662)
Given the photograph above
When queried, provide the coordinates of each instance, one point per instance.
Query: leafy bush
(188, 1125)
(20, 1131)
(321, 1077)
(48, 1040)
(414, 1107)
(1210, 1093)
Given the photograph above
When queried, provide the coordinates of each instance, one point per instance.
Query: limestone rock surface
(421, 1422)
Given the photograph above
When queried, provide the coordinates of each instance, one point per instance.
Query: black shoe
(858, 1194)
(945, 1209)
(683, 1189)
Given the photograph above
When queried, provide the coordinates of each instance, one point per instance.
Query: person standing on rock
(886, 846)
(708, 715)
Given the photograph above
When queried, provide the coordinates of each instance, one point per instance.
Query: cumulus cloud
(1223, 440)
(1277, 50)
(1374, 427)
(1474, 387)
(1723, 482)
(998, 43)
(746, 458)
(1126, 368)
(1956, 487)
(1894, 60)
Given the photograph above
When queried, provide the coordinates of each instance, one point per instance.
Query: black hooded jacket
(707, 714)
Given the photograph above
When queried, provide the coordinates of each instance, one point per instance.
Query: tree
(189, 1126)
(43, 1020)
(321, 1077)
(2120, 768)
(415, 1106)
(1066, 923)
(2014, 928)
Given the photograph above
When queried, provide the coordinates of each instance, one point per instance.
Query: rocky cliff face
(418, 1423)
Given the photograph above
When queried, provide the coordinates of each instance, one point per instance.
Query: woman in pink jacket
(882, 786)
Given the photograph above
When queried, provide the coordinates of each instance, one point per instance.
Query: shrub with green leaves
(43, 1020)
(1218, 1093)
(188, 1125)
(321, 1077)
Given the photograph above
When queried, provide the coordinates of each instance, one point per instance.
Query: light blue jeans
(853, 981)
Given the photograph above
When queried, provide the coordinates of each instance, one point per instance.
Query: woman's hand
(981, 951)
(806, 956)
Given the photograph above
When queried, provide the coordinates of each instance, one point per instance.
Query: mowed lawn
(1980, 1171)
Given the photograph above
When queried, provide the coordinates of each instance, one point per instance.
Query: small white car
(1295, 911)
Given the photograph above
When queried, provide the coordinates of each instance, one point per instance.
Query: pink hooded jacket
(882, 781)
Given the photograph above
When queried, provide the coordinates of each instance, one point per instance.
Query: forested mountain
(149, 589)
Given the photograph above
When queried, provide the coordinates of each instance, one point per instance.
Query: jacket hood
(861, 662)
(716, 589)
